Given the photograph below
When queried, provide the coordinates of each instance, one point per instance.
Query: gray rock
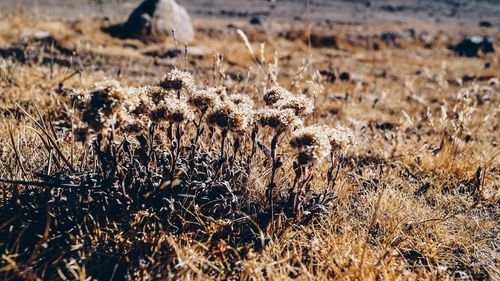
(154, 19)
(196, 52)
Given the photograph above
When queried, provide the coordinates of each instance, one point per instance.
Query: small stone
(323, 41)
(256, 20)
(485, 23)
(470, 46)
(344, 76)
(154, 19)
(196, 52)
(330, 76)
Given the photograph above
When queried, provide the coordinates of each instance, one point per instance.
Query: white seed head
(341, 138)
(241, 100)
(178, 80)
(300, 104)
(311, 143)
(205, 99)
(230, 116)
(172, 110)
(276, 93)
(278, 118)
(104, 105)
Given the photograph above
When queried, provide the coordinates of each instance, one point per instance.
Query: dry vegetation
(177, 176)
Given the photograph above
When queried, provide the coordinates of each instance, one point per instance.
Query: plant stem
(274, 168)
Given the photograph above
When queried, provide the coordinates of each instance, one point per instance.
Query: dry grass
(416, 198)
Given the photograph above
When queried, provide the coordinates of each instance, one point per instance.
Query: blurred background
(452, 11)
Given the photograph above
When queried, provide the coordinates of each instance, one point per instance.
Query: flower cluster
(300, 104)
(285, 110)
(242, 101)
(104, 106)
(280, 98)
(178, 80)
(276, 93)
(312, 144)
(234, 113)
(279, 119)
(172, 110)
(341, 138)
(177, 100)
(205, 99)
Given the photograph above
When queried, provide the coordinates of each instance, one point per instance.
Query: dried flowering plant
(112, 182)
(154, 149)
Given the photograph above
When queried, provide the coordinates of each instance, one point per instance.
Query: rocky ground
(451, 11)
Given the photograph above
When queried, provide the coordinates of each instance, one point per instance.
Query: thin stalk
(222, 152)
(199, 130)
(274, 168)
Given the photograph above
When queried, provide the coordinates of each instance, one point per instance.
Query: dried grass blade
(49, 137)
(16, 151)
